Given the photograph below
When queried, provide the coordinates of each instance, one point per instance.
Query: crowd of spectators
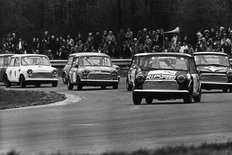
(124, 44)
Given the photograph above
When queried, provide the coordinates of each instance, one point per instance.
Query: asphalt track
(96, 121)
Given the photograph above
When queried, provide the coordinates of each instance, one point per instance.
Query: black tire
(115, 86)
(103, 87)
(188, 98)
(38, 85)
(128, 86)
(224, 90)
(79, 84)
(69, 85)
(198, 97)
(54, 84)
(137, 99)
(7, 82)
(22, 81)
(64, 80)
(149, 100)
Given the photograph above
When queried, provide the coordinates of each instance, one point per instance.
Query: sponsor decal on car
(161, 74)
(213, 68)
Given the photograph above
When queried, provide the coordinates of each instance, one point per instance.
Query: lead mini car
(90, 69)
(165, 76)
(30, 69)
(215, 70)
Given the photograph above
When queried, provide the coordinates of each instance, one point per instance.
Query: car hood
(163, 74)
(98, 69)
(217, 69)
(39, 68)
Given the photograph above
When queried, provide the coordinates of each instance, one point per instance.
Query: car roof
(88, 54)
(164, 53)
(208, 53)
(23, 55)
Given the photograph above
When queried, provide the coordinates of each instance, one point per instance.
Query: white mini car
(30, 69)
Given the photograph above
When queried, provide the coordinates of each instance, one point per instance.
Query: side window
(16, 64)
(7, 60)
(70, 60)
(1, 61)
(134, 61)
(12, 62)
(75, 61)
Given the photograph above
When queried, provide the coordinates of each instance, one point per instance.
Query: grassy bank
(14, 99)
(204, 149)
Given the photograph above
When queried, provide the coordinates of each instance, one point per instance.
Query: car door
(132, 69)
(16, 70)
(68, 65)
(73, 70)
(195, 76)
(10, 70)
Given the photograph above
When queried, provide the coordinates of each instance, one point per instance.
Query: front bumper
(215, 85)
(40, 80)
(90, 82)
(161, 94)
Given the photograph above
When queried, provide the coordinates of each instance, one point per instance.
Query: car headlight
(29, 71)
(85, 74)
(54, 72)
(181, 79)
(229, 74)
(140, 78)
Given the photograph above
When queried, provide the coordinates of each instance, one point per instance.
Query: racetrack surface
(95, 121)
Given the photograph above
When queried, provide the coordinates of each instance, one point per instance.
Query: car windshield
(35, 60)
(208, 60)
(7, 60)
(95, 61)
(166, 63)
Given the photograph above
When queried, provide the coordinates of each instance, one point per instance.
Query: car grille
(100, 76)
(171, 85)
(214, 77)
(42, 75)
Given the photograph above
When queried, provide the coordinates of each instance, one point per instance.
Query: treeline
(61, 17)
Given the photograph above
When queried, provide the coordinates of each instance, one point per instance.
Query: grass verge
(204, 149)
(15, 99)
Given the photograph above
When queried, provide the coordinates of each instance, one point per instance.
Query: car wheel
(69, 85)
(103, 87)
(38, 85)
(79, 85)
(64, 80)
(54, 84)
(22, 81)
(198, 97)
(115, 86)
(224, 90)
(128, 86)
(137, 99)
(188, 98)
(7, 82)
(149, 100)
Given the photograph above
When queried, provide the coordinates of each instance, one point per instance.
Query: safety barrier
(119, 62)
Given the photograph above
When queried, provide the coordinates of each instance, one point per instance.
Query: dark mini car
(215, 70)
(165, 76)
(90, 69)
(4, 63)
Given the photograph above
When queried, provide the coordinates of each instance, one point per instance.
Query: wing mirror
(76, 66)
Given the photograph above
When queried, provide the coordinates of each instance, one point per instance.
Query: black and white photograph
(115, 77)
